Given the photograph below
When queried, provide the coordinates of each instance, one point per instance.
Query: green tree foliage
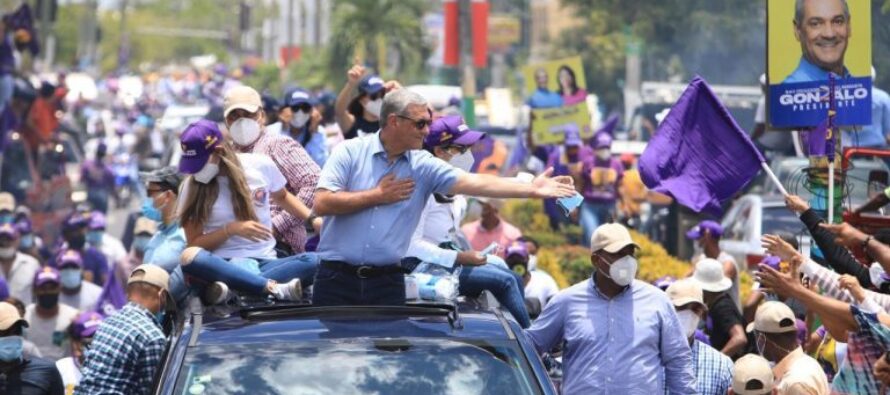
(360, 26)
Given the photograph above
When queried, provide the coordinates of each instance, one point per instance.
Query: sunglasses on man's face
(419, 124)
(305, 107)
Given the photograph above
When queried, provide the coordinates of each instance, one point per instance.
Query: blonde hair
(201, 197)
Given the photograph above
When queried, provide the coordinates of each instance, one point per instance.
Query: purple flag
(112, 297)
(609, 126)
(699, 155)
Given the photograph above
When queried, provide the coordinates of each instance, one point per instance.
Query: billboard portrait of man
(823, 29)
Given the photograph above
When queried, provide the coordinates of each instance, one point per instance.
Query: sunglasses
(461, 149)
(419, 124)
(305, 107)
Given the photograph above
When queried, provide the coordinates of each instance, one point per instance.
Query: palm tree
(386, 32)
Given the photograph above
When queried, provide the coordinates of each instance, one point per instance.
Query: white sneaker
(289, 291)
(216, 293)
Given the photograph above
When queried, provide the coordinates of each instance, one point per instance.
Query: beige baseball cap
(611, 237)
(752, 375)
(7, 201)
(145, 225)
(150, 274)
(241, 97)
(9, 316)
(773, 317)
(685, 291)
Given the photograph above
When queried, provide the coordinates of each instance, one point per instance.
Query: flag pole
(831, 132)
(772, 176)
(831, 192)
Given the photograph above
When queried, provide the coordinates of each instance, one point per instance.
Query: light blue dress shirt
(808, 72)
(543, 98)
(874, 135)
(378, 235)
(316, 147)
(630, 344)
(164, 250)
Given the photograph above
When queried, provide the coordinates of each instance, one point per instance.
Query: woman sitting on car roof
(225, 212)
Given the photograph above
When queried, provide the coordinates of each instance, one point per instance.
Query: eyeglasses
(419, 124)
(305, 107)
(460, 149)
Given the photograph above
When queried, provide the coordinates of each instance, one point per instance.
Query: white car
(752, 216)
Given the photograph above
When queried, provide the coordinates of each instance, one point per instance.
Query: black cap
(166, 175)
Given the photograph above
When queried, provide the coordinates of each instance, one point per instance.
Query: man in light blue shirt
(621, 335)
(166, 246)
(874, 135)
(543, 97)
(372, 191)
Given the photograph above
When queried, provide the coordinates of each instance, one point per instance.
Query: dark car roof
(306, 323)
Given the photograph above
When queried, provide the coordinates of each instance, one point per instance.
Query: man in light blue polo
(823, 29)
(372, 191)
(620, 335)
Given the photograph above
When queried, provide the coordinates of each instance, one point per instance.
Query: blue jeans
(505, 285)
(208, 267)
(594, 214)
(335, 288)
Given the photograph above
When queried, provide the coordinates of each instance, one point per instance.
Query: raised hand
(553, 187)
(845, 234)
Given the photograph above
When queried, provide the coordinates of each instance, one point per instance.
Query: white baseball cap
(709, 274)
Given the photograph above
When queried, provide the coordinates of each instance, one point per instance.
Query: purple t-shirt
(558, 159)
(602, 178)
(97, 175)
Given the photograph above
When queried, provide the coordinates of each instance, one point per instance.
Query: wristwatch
(308, 224)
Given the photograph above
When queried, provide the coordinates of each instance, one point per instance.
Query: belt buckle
(358, 272)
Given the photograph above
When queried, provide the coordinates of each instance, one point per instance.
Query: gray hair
(397, 101)
(798, 11)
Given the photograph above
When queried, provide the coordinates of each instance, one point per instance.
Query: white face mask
(207, 173)
(688, 321)
(373, 107)
(463, 161)
(875, 271)
(245, 131)
(603, 153)
(7, 252)
(623, 271)
(300, 118)
(532, 262)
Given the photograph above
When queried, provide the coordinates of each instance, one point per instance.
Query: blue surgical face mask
(94, 237)
(140, 243)
(71, 278)
(27, 241)
(149, 211)
(569, 204)
(10, 348)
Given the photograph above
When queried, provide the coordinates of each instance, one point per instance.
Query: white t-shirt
(113, 249)
(70, 373)
(541, 286)
(86, 299)
(49, 334)
(21, 277)
(263, 179)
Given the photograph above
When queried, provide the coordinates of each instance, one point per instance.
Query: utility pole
(290, 28)
(124, 46)
(46, 35)
(468, 71)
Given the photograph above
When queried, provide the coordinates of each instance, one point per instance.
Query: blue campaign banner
(806, 104)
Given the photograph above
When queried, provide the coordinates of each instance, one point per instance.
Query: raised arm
(344, 119)
(542, 187)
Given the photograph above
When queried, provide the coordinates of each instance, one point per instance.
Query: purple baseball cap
(705, 226)
(602, 140)
(370, 85)
(517, 248)
(664, 282)
(75, 220)
(70, 258)
(97, 221)
(772, 261)
(46, 275)
(24, 226)
(86, 324)
(198, 141)
(9, 230)
(572, 136)
(451, 130)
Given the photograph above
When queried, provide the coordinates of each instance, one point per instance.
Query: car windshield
(359, 366)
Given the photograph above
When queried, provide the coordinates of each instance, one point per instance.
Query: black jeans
(335, 288)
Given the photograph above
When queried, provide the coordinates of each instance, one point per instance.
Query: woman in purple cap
(436, 239)
(81, 334)
(224, 209)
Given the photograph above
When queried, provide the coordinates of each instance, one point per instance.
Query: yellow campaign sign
(564, 76)
(549, 124)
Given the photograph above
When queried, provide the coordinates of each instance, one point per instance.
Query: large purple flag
(112, 297)
(699, 155)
